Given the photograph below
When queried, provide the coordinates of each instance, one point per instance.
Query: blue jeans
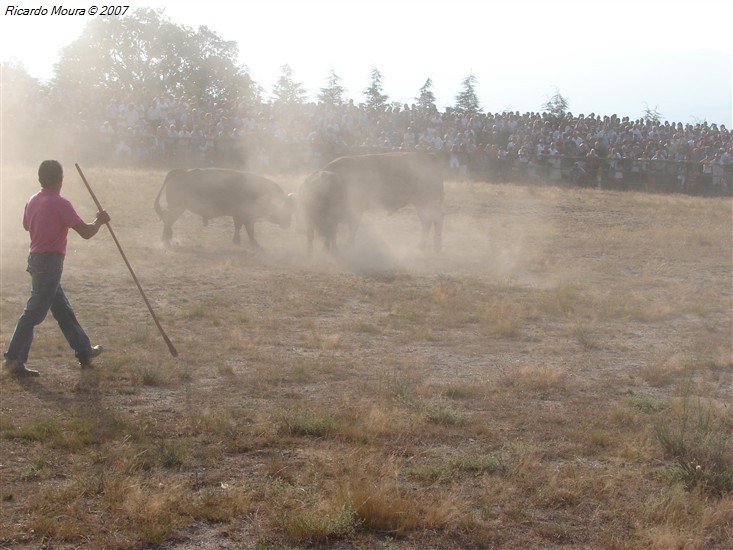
(46, 295)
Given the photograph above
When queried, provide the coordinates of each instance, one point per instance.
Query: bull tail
(156, 205)
(166, 215)
(169, 177)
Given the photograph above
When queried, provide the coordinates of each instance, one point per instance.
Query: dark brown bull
(349, 186)
(216, 192)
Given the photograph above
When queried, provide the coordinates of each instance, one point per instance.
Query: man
(48, 217)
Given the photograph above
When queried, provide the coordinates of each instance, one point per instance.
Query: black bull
(216, 192)
(349, 186)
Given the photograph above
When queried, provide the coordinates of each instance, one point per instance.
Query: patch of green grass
(647, 404)
(445, 415)
(201, 313)
(462, 391)
(599, 437)
(40, 429)
(35, 469)
(565, 300)
(481, 464)
(150, 375)
(170, 455)
(698, 437)
(585, 337)
(312, 528)
(455, 467)
(401, 390)
(225, 370)
(309, 423)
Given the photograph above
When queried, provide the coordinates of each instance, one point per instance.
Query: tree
(17, 86)
(375, 99)
(652, 115)
(333, 94)
(426, 99)
(19, 92)
(286, 91)
(211, 68)
(146, 51)
(556, 105)
(467, 101)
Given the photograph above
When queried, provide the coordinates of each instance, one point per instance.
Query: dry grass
(554, 378)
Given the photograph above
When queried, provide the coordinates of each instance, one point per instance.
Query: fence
(701, 178)
(265, 154)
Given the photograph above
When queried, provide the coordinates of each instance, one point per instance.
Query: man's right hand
(102, 218)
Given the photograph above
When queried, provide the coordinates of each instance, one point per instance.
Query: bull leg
(431, 218)
(438, 233)
(425, 223)
(424, 234)
(167, 233)
(250, 227)
(309, 234)
(330, 242)
(236, 239)
(169, 218)
(353, 224)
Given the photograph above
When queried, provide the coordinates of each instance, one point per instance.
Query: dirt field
(507, 392)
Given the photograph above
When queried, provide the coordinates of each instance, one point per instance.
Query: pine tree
(652, 115)
(426, 99)
(467, 101)
(333, 93)
(557, 105)
(286, 90)
(375, 99)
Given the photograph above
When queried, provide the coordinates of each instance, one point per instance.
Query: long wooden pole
(171, 347)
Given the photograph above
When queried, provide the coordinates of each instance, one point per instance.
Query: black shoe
(19, 370)
(85, 360)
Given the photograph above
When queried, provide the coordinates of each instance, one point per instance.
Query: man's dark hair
(50, 173)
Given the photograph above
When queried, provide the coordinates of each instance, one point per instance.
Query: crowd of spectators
(592, 150)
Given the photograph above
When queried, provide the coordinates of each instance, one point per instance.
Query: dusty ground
(548, 308)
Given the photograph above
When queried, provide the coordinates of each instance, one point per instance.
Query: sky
(605, 57)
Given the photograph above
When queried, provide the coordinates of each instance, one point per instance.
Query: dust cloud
(484, 233)
(504, 247)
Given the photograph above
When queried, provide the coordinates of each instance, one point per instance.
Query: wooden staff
(171, 347)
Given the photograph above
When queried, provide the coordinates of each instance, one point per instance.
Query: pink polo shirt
(48, 217)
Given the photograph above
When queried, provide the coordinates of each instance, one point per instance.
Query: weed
(482, 464)
(40, 429)
(225, 370)
(170, 456)
(647, 404)
(462, 391)
(586, 338)
(314, 528)
(445, 415)
(309, 423)
(150, 375)
(697, 436)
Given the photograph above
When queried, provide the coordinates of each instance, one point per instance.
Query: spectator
(310, 135)
(106, 138)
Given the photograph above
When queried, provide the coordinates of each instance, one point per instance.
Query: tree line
(146, 53)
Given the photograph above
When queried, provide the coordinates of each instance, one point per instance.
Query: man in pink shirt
(48, 217)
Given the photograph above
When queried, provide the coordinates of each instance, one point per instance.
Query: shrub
(698, 437)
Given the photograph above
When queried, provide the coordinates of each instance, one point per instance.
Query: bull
(347, 187)
(216, 192)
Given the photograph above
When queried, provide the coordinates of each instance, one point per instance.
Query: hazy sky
(605, 57)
